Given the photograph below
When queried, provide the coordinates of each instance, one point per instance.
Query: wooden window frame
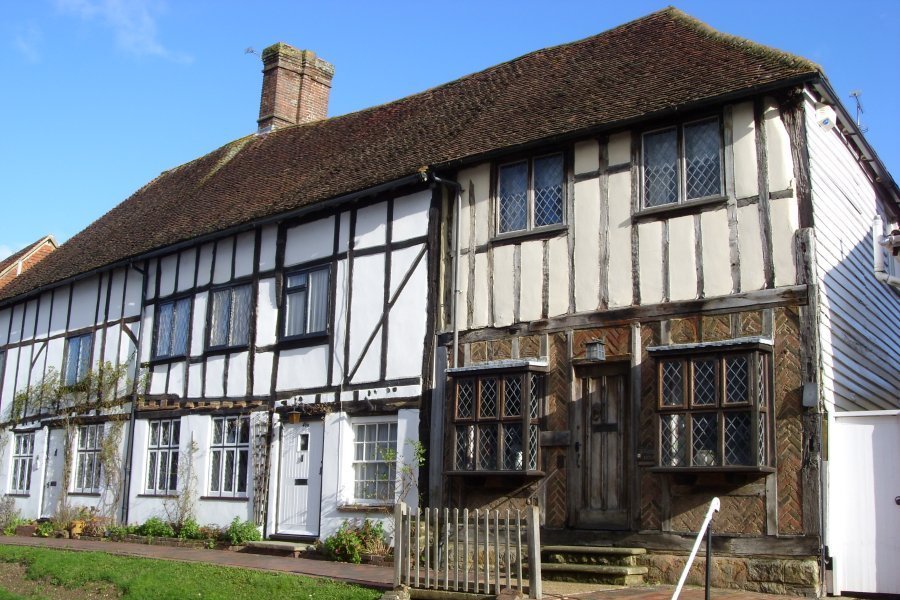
(157, 323)
(229, 345)
(172, 452)
(88, 456)
(529, 198)
(286, 292)
(22, 463)
(66, 358)
(217, 474)
(392, 481)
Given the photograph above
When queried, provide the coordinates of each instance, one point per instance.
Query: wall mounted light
(595, 351)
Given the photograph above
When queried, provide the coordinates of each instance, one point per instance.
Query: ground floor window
(162, 460)
(375, 462)
(23, 458)
(87, 459)
(229, 456)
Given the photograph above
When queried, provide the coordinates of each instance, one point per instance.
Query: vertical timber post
(533, 520)
(399, 509)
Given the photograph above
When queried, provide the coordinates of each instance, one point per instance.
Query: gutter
(420, 177)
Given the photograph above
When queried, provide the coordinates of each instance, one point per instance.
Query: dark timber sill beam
(796, 295)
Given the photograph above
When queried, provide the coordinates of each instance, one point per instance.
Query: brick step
(605, 574)
(592, 555)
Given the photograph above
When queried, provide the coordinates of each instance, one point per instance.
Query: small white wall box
(825, 117)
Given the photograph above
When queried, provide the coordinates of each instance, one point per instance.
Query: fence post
(533, 523)
(399, 509)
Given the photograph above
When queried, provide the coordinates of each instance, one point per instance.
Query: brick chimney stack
(295, 88)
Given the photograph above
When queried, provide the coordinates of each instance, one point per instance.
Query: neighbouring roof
(664, 60)
(15, 257)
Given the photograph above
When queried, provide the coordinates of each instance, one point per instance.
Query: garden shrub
(190, 530)
(45, 529)
(9, 516)
(241, 532)
(156, 527)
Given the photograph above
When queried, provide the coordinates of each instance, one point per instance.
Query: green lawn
(149, 578)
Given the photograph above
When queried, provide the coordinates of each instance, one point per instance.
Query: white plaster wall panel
(127, 346)
(147, 324)
(158, 379)
(139, 459)
(35, 364)
(60, 311)
(55, 352)
(195, 380)
(262, 373)
(15, 327)
(4, 325)
(401, 261)
(237, 375)
(339, 323)
(309, 241)
(558, 301)
(168, 265)
(223, 260)
(587, 244)
(29, 321)
(778, 149)
(100, 316)
(411, 216)
(619, 148)
(266, 313)
(461, 297)
(267, 242)
(587, 156)
(650, 257)
(619, 205)
(407, 438)
(337, 467)
(198, 323)
(743, 130)
(371, 226)
(44, 309)
(245, 247)
(151, 278)
(466, 208)
(366, 307)
(682, 259)
(503, 285)
(531, 281)
(406, 327)
(302, 368)
(204, 266)
(23, 373)
(116, 295)
(9, 383)
(134, 288)
(84, 304)
(750, 248)
(7, 439)
(344, 233)
(716, 253)
(785, 221)
(187, 267)
(481, 181)
(480, 304)
(176, 379)
(215, 376)
(369, 368)
(111, 345)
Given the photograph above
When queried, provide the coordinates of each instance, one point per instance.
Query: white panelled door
(301, 479)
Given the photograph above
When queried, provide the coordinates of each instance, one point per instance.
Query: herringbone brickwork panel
(751, 323)
(530, 346)
(478, 352)
(738, 514)
(650, 508)
(647, 415)
(558, 384)
(618, 340)
(685, 331)
(499, 349)
(716, 328)
(556, 509)
(788, 422)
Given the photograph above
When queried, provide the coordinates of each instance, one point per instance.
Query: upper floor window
(87, 463)
(306, 303)
(77, 359)
(230, 456)
(23, 457)
(172, 325)
(229, 317)
(374, 462)
(714, 409)
(531, 193)
(682, 163)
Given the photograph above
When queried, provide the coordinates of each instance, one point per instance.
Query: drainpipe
(456, 231)
(880, 241)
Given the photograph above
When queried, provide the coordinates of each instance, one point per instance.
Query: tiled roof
(15, 256)
(664, 60)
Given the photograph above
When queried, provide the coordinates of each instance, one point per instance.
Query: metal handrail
(713, 507)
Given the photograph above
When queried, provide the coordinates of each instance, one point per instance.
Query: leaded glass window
(172, 325)
(87, 459)
(497, 422)
(229, 317)
(162, 456)
(229, 456)
(682, 163)
(531, 193)
(78, 358)
(23, 460)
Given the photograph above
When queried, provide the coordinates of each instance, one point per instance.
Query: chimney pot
(295, 89)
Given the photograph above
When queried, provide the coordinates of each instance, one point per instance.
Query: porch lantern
(595, 351)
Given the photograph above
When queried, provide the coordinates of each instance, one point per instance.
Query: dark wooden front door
(600, 450)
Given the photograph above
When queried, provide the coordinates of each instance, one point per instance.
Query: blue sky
(100, 96)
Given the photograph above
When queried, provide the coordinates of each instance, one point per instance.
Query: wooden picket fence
(477, 551)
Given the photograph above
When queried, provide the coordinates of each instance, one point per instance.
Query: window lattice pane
(534, 402)
(465, 447)
(660, 168)
(701, 157)
(761, 439)
(761, 386)
(737, 379)
(164, 321)
(548, 190)
(512, 447)
(705, 383)
(465, 399)
(704, 434)
(673, 441)
(737, 438)
(513, 197)
(512, 396)
(672, 383)
(488, 398)
(240, 318)
(534, 433)
(181, 326)
(487, 447)
(221, 311)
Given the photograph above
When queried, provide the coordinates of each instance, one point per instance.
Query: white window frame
(83, 365)
(178, 305)
(304, 289)
(88, 470)
(232, 318)
(360, 445)
(529, 198)
(23, 461)
(235, 448)
(163, 452)
(681, 163)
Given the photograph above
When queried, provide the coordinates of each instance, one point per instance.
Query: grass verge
(163, 579)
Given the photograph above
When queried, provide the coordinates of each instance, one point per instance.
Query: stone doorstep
(598, 569)
(275, 547)
(605, 574)
(608, 550)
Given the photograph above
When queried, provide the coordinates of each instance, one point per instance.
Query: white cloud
(133, 23)
(27, 41)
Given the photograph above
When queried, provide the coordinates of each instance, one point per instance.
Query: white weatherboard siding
(857, 313)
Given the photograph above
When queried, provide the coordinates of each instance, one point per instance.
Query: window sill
(495, 473)
(718, 469)
(85, 494)
(369, 508)
(302, 341)
(218, 350)
(226, 498)
(19, 495)
(165, 360)
(163, 496)
(514, 237)
(674, 210)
